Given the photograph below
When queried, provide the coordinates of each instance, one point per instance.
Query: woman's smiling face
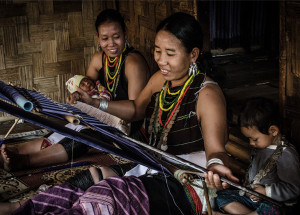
(171, 57)
(111, 38)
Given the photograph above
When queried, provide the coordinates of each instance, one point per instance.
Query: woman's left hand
(212, 177)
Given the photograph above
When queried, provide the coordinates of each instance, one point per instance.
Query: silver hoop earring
(99, 47)
(193, 69)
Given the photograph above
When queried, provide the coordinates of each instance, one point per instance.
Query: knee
(107, 172)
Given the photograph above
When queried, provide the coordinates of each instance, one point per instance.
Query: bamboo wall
(43, 43)
(289, 77)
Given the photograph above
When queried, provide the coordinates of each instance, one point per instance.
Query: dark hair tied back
(110, 15)
(185, 27)
(188, 30)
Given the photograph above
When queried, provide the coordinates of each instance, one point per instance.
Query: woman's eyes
(106, 38)
(168, 54)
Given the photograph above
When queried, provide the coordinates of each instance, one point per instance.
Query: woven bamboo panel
(289, 78)
(29, 47)
(26, 76)
(10, 75)
(49, 51)
(2, 63)
(142, 17)
(22, 29)
(43, 43)
(43, 32)
(37, 64)
(88, 52)
(33, 14)
(17, 61)
(10, 38)
(46, 7)
(54, 69)
(76, 29)
(62, 36)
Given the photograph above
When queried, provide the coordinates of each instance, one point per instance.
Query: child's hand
(257, 188)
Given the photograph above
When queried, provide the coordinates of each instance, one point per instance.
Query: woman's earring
(193, 69)
(99, 47)
(127, 44)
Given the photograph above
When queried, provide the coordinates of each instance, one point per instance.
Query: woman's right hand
(212, 177)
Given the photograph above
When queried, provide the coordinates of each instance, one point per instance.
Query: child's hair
(261, 113)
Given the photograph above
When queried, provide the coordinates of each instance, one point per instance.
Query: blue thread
(169, 190)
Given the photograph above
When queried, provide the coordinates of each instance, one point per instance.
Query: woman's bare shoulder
(211, 96)
(96, 60)
(156, 82)
(136, 59)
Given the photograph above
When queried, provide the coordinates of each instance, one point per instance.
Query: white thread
(169, 189)
(72, 158)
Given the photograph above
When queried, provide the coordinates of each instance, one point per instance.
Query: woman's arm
(137, 74)
(95, 66)
(135, 110)
(129, 110)
(211, 112)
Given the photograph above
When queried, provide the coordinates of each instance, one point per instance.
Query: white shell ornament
(164, 147)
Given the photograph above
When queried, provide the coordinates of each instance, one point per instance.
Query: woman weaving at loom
(183, 87)
(130, 76)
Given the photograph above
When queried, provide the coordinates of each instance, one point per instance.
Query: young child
(96, 90)
(274, 170)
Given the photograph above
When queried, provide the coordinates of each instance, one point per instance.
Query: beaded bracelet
(103, 105)
(214, 161)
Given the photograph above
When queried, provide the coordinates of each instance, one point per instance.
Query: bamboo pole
(11, 128)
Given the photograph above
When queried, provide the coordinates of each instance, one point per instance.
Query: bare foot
(14, 149)
(8, 207)
(12, 160)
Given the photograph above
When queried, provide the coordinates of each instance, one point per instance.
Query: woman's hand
(71, 99)
(212, 177)
(83, 97)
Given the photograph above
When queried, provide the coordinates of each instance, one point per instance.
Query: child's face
(256, 138)
(86, 84)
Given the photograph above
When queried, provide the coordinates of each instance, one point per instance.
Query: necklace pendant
(241, 192)
(164, 147)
